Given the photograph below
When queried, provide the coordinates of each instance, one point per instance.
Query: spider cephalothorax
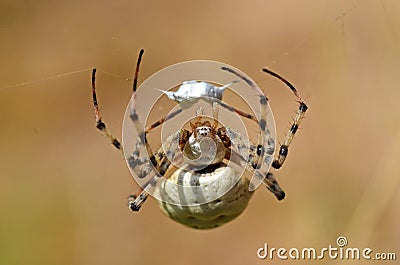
(204, 146)
(207, 188)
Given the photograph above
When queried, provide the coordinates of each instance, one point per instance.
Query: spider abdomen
(205, 200)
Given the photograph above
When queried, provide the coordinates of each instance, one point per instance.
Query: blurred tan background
(63, 187)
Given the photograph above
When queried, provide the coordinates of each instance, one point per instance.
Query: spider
(203, 149)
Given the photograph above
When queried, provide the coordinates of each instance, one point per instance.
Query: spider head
(203, 147)
(203, 129)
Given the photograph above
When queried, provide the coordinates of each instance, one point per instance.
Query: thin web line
(62, 75)
(45, 79)
(345, 13)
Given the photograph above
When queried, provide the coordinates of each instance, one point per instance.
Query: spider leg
(139, 163)
(136, 200)
(263, 99)
(262, 122)
(135, 161)
(268, 180)
(134, 116)
(284, 148)
(162, 120)
(99, 122)
(141, 198)
(242, 152)
(241, 113)
(215, 111)
(101, 125)
(136, 76)
(272, 184)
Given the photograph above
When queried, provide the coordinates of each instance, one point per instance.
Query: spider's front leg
(100, 125)
(262, 122)
(284, 148)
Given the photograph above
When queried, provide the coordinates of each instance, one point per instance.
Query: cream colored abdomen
(204, 200)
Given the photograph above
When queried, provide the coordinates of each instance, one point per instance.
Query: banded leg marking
(284, 148)
(100, 125)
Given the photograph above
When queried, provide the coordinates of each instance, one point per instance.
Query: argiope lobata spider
(204, 147)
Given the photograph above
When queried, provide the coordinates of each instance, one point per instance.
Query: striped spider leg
(143, 167)
(256, 157)
(159, 161)
(284, 148)
(242, 153)
(99, 122)
(160, 164)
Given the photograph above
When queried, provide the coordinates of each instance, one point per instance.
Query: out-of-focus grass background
(63, 188)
